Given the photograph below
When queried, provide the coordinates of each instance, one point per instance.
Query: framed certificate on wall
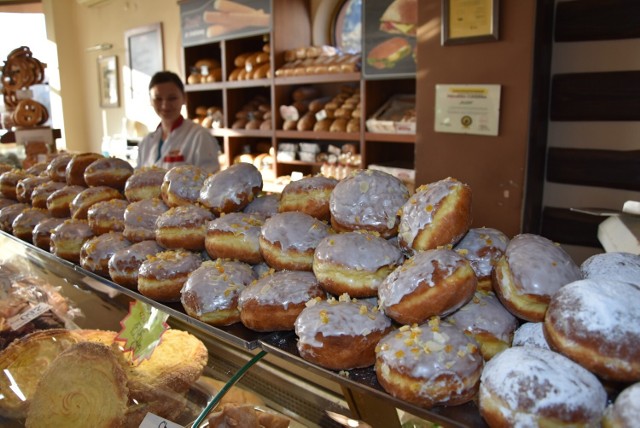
(469, 21)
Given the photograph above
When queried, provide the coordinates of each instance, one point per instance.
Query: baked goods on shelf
(41, 235)
(162, 276)
(112, 172)
(68, 238)
(252, 114)
(74, 171)
(181, 185)
(41, 193)
(530, 334)
(310, 195)
(205, 70)
(25, 187)
(265, 205)
(107, 216)
(8, 182)
(615, 265)
(145, 183)
(246, 416)
(483, 247)
(140, 219)
(96, 252)
(57, 168)
(625, 410)
(79, 206)
(235, 236)
(183, 227)
(9, 213)
(311, 60)
(24, 223)
(125, 263)
(231, 189)
(59, 202)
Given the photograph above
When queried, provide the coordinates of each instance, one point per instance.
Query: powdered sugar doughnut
(235, 236)
(436, 214)
(125, 262)
(488, 321)
(288, 240)
(309, 195)
(96, 252)
(532, 270)
(145, 183)
(340, 334)
(530, 334)
(181, 185)
(274, 301)
(595, 323)
(211, 292)
(368, 200)
(354, 263)
(140, 219)
(231, 189)
(433, 282)
(183, 227)
(264, 205)
(625, 411)
(162, 276)
(428, 365)
(620, 266)
(529, 387)
(483, 247)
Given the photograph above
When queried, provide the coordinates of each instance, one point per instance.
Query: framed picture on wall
(469, 21)
(108, 81)
(145, 57)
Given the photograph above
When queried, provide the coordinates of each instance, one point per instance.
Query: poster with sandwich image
(389, 38)
(203, 21)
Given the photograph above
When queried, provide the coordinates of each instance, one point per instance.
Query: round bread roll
(431, 364)
(140, 219)
(57, 168)
(368, 200)
(79, 206)
(25, 187)
(483, 247)
(340, 334)
(181, 185)
(96, 252)
(24, 223)
(59, 202)
(74, 171)
(235, 236)
(433, 282)
(211, 292)
(309, 195)
(68, 238)
(529, 386)
(162, 276)
(9, 181)
(231, 189)
(614, 265)
(43, 191)
(437, 214)
(9, 213)
(274, 301)
(41, 235)
(107, 216)
(529, 273)
(595, 323)
(145, 183)
(354, 263)
(125, 262)
(625, 410)
(111, 172)
(183, 227)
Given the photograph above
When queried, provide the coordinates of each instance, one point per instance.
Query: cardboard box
(383, 120)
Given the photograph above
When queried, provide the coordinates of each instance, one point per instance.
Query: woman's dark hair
(166, 77)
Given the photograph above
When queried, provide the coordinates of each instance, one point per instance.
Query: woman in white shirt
(176, 141)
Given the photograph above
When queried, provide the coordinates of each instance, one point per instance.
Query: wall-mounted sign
(468, 109)
(468, 21)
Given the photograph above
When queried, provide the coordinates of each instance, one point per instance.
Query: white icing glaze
(246, 226)
(184, 181)
(294, 231)
(281, 288)
(169, 264)
(306, 184)
(368, 198)
(530, 334)
(9, 213)
(417, 270)
(485, 313)
(483, 247)
(530, 380)
(184, 216)
(41, 192)
(46, 226)
(58, 166)
(233, 184)
(539, 266)
(130, 258)
(112, 209)
(626, 407)
(338, 318)
(615, 265)
(266, 205)
(428, 351)
(29, 217)
(145, 177)
(359, 251)
(26, 186)
(99, 249)
(143, 214)
(72, 229)
(216, 285)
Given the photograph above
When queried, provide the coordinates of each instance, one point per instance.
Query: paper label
(155, 421)
(142, 330)
(289, 112)
(321, 115)
(23, 318)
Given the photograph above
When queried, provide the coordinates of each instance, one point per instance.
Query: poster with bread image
(206, 20)
(390, 37)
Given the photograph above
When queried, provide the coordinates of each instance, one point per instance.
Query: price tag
(155, 421)
(142, 330)
(321, 115)
(289, 113)
(24, 317)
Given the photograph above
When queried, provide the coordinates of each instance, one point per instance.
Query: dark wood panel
(601, 168)
(597, 20)
(596, 96)
(570, 227)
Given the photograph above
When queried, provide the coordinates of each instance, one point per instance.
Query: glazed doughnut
(436, 214)
(67, 239)
(532, 387)
(140, 219)
(181, 185)
(74, 172)
(5, 202)
(274, 301)
(183, 227)
(57, 168)
(9, 181)
(340, 334)
(490, 324)
(211, 292)
(595, 323)
(530, 334)
(4, 167)
(235, 236)
(111, 172)
(483, 247)
(430, 364)
(532, 270)
(59, 202)
(41, 193)
(107, 216)
(145, 183)
(620, 266)
(9, 213)
(41, 236)
(231, 189)
(79, 206)
(368, 200)
(25, 187)
(264, 205)
(124, 264)
(24, 223)
(288, 240)
(162, 276)
(432, 282)
(309, 195)
(354, 263)
(38, 169)
(625, 410)
(96, 252)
